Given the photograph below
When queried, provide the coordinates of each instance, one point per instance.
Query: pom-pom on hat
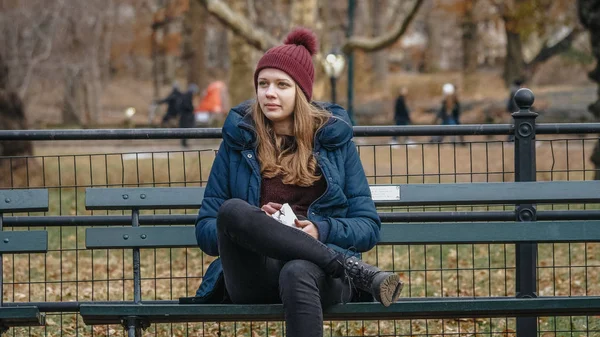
(294, 58)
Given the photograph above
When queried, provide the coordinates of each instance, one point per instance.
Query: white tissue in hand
(285, 215)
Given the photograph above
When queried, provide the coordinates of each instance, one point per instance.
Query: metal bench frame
(522, 230)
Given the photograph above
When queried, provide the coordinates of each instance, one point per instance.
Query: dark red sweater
(299, 198)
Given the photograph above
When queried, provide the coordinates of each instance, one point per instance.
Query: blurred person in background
(449, 113)
(214, 102)
(172, 101)
(401, 113)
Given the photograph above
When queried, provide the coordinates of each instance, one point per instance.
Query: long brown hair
(296, 164)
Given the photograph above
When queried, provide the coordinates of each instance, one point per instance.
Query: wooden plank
(34, 200)
(143, 198)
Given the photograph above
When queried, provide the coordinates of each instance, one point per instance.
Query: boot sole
(389, 290)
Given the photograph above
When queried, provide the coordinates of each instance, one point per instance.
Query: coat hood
(239, 132)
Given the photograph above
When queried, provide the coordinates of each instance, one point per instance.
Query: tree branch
(262, 40)
(47, 40)
(386, 40)
(240, 25)
(392, 13)
(548, 51)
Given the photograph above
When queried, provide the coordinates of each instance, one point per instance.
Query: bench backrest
(384, 195)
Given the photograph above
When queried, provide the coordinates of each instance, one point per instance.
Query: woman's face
(276, 94)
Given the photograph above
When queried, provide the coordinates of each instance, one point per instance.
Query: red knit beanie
(294, 58)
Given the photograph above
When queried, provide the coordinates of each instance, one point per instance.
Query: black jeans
(265, 261)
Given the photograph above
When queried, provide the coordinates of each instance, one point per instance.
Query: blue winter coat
(345, 214)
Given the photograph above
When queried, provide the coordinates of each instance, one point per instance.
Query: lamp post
(349, 33)
(334, 65)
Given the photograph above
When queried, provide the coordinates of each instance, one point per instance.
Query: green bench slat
(23, 241)
(130, 237)
(34, 200)
(403, 233)
(21, 316)
(383, 195)
(417, 308)
(489, 193)
(143, 198)
(491, 232)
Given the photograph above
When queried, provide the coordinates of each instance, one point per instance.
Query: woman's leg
(250, 278)
(305, 289)
(249, 227)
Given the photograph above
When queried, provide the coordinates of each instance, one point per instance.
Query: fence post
(525, 170)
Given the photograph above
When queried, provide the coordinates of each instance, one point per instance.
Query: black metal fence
(69, 274)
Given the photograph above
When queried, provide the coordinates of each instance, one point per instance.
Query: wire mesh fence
(70, 273)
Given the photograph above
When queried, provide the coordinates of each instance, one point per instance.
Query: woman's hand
(307, 227)
(271, 208)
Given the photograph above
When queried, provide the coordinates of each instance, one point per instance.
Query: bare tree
(194, 44)
(262, 40)
(379, 58)
(589, 15)
(12, 117)
(27, 39)
(469, 37)
(543, 19)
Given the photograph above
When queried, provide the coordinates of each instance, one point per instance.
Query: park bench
(523, 229)
(14, 242)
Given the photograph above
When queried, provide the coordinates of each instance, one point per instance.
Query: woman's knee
(230, 212)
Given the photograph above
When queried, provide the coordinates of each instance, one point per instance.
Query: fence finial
(524, 98)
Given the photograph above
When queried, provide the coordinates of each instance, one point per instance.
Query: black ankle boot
(384, 286)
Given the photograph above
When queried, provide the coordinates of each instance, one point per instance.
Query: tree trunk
(241, 74)
(469, 38)
(469, 46)
(514, 65)
(13, 171)
(73, 96)
(94, 86)
(12, 117)
(194, 35)
(217, 53)
(431, 52)
(589, 12)
(170, 51)
(378, 58)
(594, 75)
